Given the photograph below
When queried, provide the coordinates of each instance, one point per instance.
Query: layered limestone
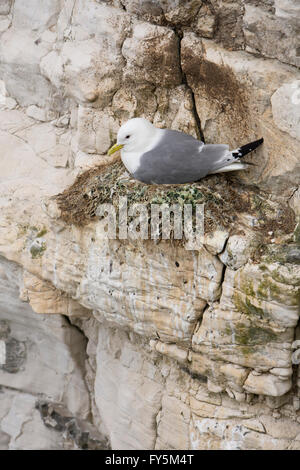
(131, 344)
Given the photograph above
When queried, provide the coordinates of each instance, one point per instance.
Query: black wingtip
(244, 149)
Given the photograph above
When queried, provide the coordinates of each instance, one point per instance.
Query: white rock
(213, 387)
(109, 25)
(24, 427)
(51, 67)
(205, 22)
(36, 15)
(10, 103)
(116, 412)
(6, 102)
(48, 364)
(3, 90)
(151, 56)
(286, 108)
(273, 292)
(62, 122)
(254, 425)
(19, 64)
(4, 24)
(282, 372)
(40, 114)
(96, 130)
(176, 411)
(180, 114)
(5, 7)
(262, 29)
(267, 384)
(215, 241)
(48, 36)
(296, 403)
(238, 250)
(294, 202)
(2, 352)
(171, 350)
(287, 9)
(84, 78)
(234, 372)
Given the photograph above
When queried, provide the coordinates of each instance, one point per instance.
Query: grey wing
(180, 158)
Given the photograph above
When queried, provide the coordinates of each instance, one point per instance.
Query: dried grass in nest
(224, 199)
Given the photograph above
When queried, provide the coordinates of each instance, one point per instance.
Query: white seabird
(163, 156)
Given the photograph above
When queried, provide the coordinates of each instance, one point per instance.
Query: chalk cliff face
(143, 345)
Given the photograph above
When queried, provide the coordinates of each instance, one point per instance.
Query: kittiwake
(163, 156)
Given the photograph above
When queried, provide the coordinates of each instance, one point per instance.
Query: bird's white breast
(132, 159)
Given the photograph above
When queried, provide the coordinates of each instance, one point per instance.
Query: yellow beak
(115, 148)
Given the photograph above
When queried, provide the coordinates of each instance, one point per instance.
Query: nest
(224, 199)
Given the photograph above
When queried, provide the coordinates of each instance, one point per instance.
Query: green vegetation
(223, 197)
(37, 251)
(246, 307)
(41, 233)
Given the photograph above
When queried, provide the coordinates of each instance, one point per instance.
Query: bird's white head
(133, 135)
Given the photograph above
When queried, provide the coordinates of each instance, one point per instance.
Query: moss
(288, 276)
(223, 197)
(79, 203)
(247, 335)
(267, 288)
(36, 232)
(41, 233)
(263, 267)
(247, 307)
(260, 204)
(248, 288)
(22, 229)
(246, 351)
(37, 251)
(282, 254)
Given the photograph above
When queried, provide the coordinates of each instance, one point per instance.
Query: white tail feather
(232, 167)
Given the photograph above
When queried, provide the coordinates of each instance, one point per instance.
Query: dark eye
(127, 137)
